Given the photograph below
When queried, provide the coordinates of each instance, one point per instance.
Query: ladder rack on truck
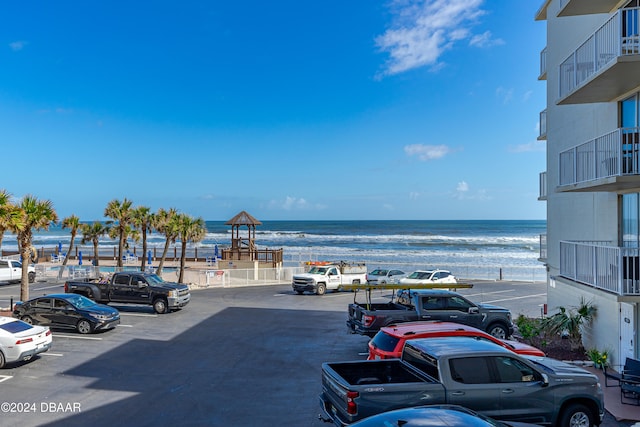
(395, 286)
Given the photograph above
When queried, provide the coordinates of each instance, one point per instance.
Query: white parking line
(514, 298)
(489, 293)
(125, 326)
(123, 313)
(78, 337)
(5, 377)
(51, 354)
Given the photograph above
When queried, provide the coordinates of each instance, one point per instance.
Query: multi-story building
(591, 123)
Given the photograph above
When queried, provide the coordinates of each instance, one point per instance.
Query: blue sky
(305, 110)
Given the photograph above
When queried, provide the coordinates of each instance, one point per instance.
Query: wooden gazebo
(243, 247)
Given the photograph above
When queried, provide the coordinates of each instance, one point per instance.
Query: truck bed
(384, 372)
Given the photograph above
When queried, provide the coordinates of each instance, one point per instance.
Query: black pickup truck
(134, 288)
(429, 304)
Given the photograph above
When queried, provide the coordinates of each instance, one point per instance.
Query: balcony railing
(609, 268)
(543, 247)
(543, 186)
(611, 155)
(543, 125)
(543, 65)
(617, 37)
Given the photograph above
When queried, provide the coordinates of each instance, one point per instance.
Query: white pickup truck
(321, 278)
(11, 271)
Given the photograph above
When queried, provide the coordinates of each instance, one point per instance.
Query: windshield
(419, 275)
(78, 301)
(318, 270)
(379, 272)
(154, 279)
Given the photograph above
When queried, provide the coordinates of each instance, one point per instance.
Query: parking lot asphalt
(247, 356)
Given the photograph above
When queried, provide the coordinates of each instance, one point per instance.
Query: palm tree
(38, 215)
(166, 222)
(121, 214)
(189, 230)
(142, 219)
(572, 321)
(10, 217)
(72, 222)
(92, 233)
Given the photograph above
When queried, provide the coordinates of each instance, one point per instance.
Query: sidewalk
(620, 411)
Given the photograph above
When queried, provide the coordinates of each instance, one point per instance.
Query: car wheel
(2, 360)
(84, 326)
(27, 319)
(32, 277)
(498, 330)
(576, 415)
(89, 294)
(160, 306)
(321, 289)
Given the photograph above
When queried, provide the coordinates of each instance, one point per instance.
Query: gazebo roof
(243, 218)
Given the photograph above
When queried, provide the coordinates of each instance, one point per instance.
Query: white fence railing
(616, 37)
(610, 268)
(613, 154)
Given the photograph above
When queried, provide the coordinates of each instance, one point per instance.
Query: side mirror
(474, 310)
(544, 380)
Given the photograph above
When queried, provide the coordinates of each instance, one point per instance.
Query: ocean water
(479, 249)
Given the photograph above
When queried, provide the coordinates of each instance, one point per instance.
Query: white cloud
(505, 94)
(528, 147)
(17, 45)
(427, 152)
(463, 193)
(485, 40)
(422, 30)
(413, 195)
(294, 203)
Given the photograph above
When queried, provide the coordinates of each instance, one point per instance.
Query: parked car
(435, 416)
(69, 311)
(381, 276)
(428, 276)
(21, 341)
(389, 341)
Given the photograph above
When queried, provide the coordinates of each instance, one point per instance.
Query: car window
(43, 303)
(122, 279)
(470, 370)
(4, 264)
(58, 303)
(433, 303)
(458, 303)
(512, 370)
(384, 342)
(17, 326)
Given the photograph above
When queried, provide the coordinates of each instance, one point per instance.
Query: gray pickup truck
(463, 371)
(429, 304)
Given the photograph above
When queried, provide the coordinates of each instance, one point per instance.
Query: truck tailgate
(381, 386)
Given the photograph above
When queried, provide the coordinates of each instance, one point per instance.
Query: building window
(630, 223)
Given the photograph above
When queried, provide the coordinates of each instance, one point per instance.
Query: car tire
(27, 319)
(576, 414)
(84, 326)
(498, 330)
(89, 294)
(160, 306)
(321, 289)
(32, 277)
(2, 360)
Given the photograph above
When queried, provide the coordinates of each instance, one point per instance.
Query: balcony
(586, 7)
(543, 64)
(608, 163)
(543, 186)
(543, 248)
(608, 268)
(607, 65)
(543, 126)
(541, 14)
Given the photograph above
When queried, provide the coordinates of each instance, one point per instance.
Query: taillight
(367, 320)
(352, 408)
(66, 287)
(46, 334)
(24, 341)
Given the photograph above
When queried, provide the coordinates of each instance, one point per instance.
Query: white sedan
(21, 341)
(428, 276)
